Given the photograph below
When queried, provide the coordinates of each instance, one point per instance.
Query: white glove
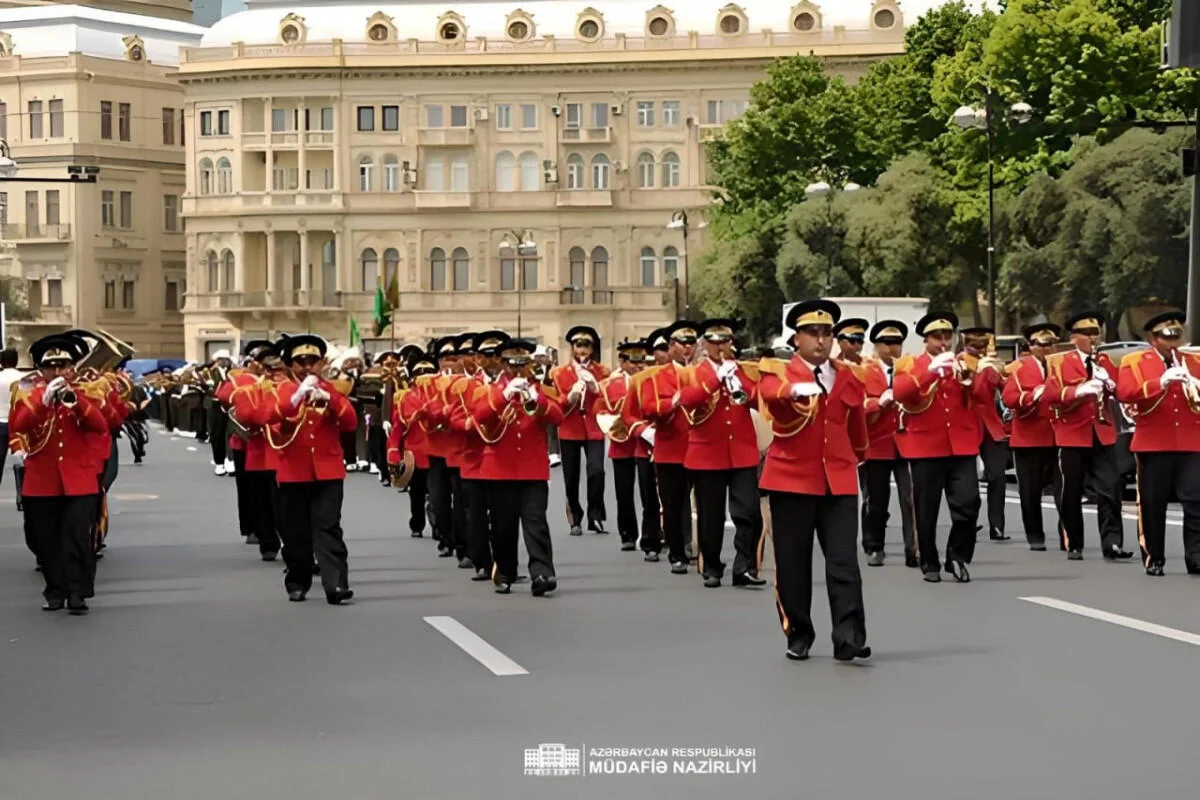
(513, 388)
(1175, 375)
(1101, 374)
(51, 391)
(1092, 387)
(317, 395)
(531, 390)
(885, 399)
(727, 369)
(387, 427)
(648, 435)
(310, 382)
(943, 363)
(804, 390)
(299, 395)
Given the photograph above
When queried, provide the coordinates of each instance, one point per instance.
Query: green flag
(355, 336)
(383, 312)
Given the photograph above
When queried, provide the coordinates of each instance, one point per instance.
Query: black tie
(817, 378)
(890, 371)
(1170, 362)
(1088, 361)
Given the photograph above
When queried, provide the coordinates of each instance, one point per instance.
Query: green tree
(736, 278)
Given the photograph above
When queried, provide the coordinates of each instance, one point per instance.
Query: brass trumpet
(733, 384)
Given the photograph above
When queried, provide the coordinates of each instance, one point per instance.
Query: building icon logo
(552, 759)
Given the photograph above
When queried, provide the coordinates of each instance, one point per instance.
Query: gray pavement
(194, 678)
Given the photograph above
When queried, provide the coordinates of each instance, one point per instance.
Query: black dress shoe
(597, 527)
(1075, 555)
(1115, 553)
(1037, 547)
(711, 581)
(297, 595)
(999, 535)
(628, 546)
(933, 577)
(1192, 568)
(418, 534)
(54, 605)
(651, 557)
(445, 552)
(747, 579)
(875, 558)
(958, 569)
(269, 556)
(338, 596)
(679, 568)
(76, 607)
(252, 539)
(503, 587)
(316, 568)
(481, 575)
(849, 652)
(911, 561)
(576, 530)
(797, 652)
(1155, 570)
(466, 563)
(542, 584)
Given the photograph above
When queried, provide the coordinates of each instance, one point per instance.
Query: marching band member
(993, 448)
(216, 412)
(461, 396)
(883, 462)
(236, 446)
(850, 334)
(445, 481)
(306, 421)
(250, 398)
(579, 383)
(1034, 454)
(624, 439)
(659, 401)
(512, 417)
(655, 355)
(1080, 385)
(1163, 385)
(60, 487)
(940, 442)
(410, 427)
(810, 474)
(722, 456)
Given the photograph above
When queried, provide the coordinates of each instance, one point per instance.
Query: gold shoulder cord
(807, 409)
(702, 414)
(271, 439)
(1132, 409)
(904, 366)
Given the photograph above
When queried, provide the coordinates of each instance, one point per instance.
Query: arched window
(224, 176)
(577, 260)
(206, 176)
(508, 269)
(600, 171)
(505, 169)
(437, 269)
(645, 170)
(462, 270)
(530, 178)
(214, 272)
(391, 266)
(670, 169)
(649, 267)
(391, 173)
(365, 169)
(229, 271)
(600, 291)
(529, 269)
(670, 262)
(574, 171)
(370, 271)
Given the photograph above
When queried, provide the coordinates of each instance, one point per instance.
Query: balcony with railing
(584, 198)
(47, 315)
(285, 299)
(446, 137)
(443, 199)
(603, 135)
(35, 232)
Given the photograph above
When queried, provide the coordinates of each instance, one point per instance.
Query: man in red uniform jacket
(722, 455)
(578, 384)
(656, 354)
(659, 401)
(811, 477)
(248, 398)
(410, 432)
(1163, 384)
(1034, 454)
(445, 449)
(940, 440)
(60, 487)
(883, 463)
(993, 447)
(307, 420)
(1081, 385)
(624, 439)
(512, 416)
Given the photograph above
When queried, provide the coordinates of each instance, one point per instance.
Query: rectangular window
(366, 118)
(168, 125)
(35, 119)
(33, 293)
(206, 121)
(645, 113)
(52, 208)
(508, 274)
(223, 122)
(171, 213)
(3, 120)
(504, 117)
(56, 119)
(529, 116)
(670, 113)
(458, 116)
(459, 175)
(106, 119)
(718, 112)
(327, 119)
(126, 210)
(171, 302)
(107, 209)
(3, 208)
(279, 120)
(32, 225)
(127, 294)
(110, 294)
(182, 123)
(124, 120)
(54, 295)
(574, 115)
(435, 117)
(435, 174)
(391, 118)
(599, 115)
(529, 278)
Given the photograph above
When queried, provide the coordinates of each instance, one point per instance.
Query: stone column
(305, 269)
(272, 276)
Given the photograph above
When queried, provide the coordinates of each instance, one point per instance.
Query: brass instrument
(737, 392)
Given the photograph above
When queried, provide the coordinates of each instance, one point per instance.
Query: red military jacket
(252, 402)
(990, 382)
(407, 433)
(309, 442)
(1166, 420)
(819, 440)
(1075, 418)
(938, 417)
(1031, 421)
(224, 396)
(722, 435)
(462, 420)
(54, 443)
(515, 447)
(882, 421)
(579, 421)
(444, 441)
(615, 398)
(657, 396)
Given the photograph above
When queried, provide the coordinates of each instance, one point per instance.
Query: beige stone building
(333, 146)
(92, 87)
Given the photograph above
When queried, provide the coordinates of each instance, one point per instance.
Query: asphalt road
(194, 678)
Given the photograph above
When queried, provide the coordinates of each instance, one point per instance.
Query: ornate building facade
(520, 165)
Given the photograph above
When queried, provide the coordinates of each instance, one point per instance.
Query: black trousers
(651, 513)
(135, 432)
(520, 506)
(995, 458)
(245, 509)
(479, 523)
(875, 479)
(449, 506)
(260, 504)
(572, 454)
(795, 519)
(418, 489)
(675, 497)
(1096, 466)
(1161, 477)
(62, 528)
(955, 477)
(311, 523)
(625, 475)
(349, 447)
(218, 427)
(741, 487)
(1037, 468)
(377, 449)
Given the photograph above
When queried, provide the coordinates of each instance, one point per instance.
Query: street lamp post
(680, 222)
(522, 243)
(823, 189)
